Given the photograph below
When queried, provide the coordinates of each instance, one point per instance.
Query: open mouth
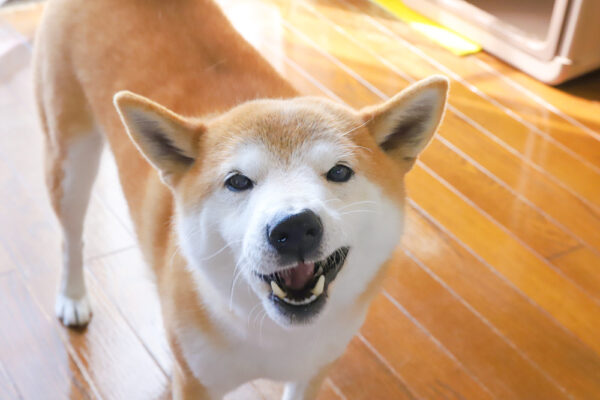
(300, 292)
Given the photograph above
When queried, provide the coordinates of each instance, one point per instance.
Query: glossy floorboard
(496, 293)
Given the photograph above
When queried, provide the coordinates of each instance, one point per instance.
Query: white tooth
(318, 289)
(308, 300)
(277, 290)
(320, 271)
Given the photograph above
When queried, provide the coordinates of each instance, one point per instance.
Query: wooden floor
(497, 290)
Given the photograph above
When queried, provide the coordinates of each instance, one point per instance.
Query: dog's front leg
(305, 390)
(186, 387)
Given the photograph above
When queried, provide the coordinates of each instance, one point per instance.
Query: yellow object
(443, 36)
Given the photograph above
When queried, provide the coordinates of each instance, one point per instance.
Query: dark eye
(238, 182)
(339, 173)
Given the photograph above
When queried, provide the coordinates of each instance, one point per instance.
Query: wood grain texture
(130, 288)
(523, 219)
(358, 371)
(523, 323)
(32, 351)
(496, 292)
(531, 274)
(576, 102)
(427, 367)
(481, 349)
(519, 141)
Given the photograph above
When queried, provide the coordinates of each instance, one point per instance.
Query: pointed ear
(167, 140)
(404, 125)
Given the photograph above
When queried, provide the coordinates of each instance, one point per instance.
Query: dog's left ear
(404, 125)
(167, 140)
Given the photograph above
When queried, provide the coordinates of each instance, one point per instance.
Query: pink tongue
(297, 277)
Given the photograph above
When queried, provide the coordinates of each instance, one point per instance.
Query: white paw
(73, 312)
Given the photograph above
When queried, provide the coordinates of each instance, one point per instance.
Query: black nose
(297, 235)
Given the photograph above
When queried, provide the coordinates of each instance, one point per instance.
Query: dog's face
(302, 199)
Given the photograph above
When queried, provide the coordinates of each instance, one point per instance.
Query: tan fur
(185, 56)
(185, 386)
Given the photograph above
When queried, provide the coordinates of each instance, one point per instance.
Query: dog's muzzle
(300, 292)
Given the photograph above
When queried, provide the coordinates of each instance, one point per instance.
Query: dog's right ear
(167, 140)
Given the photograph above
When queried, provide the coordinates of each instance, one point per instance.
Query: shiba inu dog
(268, 218)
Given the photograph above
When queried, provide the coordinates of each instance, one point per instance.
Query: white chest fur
(267, 351)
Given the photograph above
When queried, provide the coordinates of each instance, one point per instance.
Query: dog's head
(301, 199)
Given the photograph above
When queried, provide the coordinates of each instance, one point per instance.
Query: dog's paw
(73, 312)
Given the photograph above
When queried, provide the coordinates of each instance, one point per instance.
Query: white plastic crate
(552, 40)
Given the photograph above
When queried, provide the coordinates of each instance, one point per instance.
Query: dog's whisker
(332, 199)
(357, 203)
(222, 249)
(237, 271)
(363, 147)
(359, 212)
(258, 315)
(359, 209)
(355, 128)
(235, 279)
(262, 321)
(252, 311)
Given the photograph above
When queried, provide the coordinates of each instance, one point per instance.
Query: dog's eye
(339, 173)
(238, 182)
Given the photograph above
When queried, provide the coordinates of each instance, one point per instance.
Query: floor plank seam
(335, 388)
(387, 365)
(115, 214)
(481, 129)
(518, 195)
(60, 331)
(493, 270)
(110, 253)
(23, 39)
(555, 110)
(486, 322)
(507, 231)
(437, 342)
(336, 62)
(564, 253)
(342, 31)
(135, 332)
(312, 80)
(13, 386)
